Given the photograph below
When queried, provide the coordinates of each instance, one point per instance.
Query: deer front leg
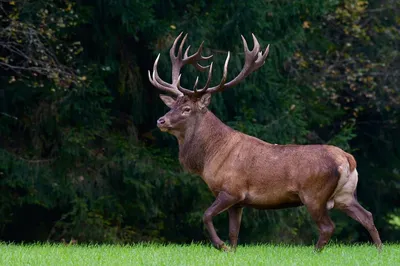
(222, 202)
(235, 218)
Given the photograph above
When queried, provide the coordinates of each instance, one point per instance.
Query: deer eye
(186, 109)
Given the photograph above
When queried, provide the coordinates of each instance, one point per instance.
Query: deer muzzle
(163, 124)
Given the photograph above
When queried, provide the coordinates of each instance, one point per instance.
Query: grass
(154, 254)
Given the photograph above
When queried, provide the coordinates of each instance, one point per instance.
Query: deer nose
(161, 121)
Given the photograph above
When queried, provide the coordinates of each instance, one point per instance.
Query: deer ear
(204, 101)
(169, 101)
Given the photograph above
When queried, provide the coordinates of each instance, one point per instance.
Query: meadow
(195, 254)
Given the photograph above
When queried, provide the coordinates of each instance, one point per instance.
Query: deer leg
(235, 217)
(221, 203)
(325, 225)
(364, 217)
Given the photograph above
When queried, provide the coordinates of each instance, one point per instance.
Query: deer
(244, 171)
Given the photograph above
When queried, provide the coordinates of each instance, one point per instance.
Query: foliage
(78, 142)
(35, 42)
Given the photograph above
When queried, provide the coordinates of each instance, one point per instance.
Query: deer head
(189, 106)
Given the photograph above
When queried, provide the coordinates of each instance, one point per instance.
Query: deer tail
(352, 162)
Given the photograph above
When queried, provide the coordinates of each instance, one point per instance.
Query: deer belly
(272, 201)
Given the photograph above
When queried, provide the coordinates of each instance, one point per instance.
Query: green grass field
(152, 254)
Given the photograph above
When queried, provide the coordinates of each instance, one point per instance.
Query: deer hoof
(224, 248)
(318, 249)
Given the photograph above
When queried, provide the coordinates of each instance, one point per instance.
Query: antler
(254, 59)
(177, 63)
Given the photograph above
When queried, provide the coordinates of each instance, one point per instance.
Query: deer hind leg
(221, 203)
(316, 200)
(364, 217)
(346, 202)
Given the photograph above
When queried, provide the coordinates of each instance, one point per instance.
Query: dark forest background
(81, 156)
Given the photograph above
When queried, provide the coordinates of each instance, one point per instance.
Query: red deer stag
(243, 171)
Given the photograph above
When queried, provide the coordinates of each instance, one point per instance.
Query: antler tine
(263, 56)
(156, 77)
(256, 47)
(173, 48)
(181, 46)
(159, 83)
(197, 65)
(195, 84)
(221, 85)
(176, 59)
(194, 58)
(185, 55)
(208, 78)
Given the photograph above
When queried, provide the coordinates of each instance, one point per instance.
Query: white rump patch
(345, 195)
(344, 192)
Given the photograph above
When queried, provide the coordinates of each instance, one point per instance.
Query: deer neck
(201, 141)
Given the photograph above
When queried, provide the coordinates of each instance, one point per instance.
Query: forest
(81, 156)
